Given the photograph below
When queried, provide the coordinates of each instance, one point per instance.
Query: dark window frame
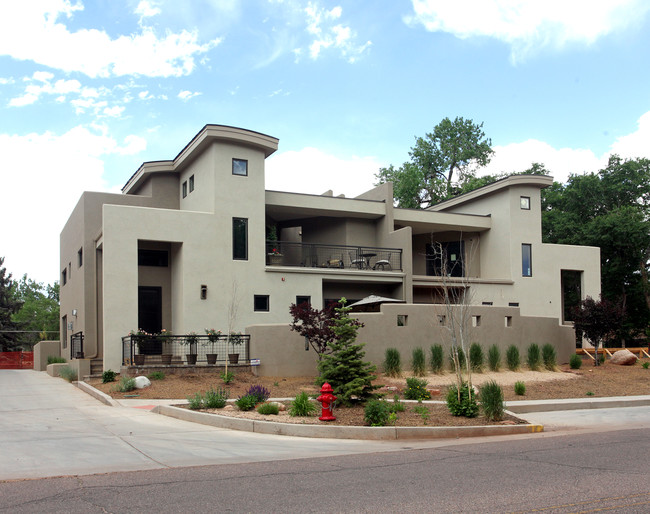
(524, 203)
(234, 168)
(184, 189)
(526, 258)
(301, 298)
(191, 183)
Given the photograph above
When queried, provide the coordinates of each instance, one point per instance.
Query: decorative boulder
(623, 358)
(142, 382)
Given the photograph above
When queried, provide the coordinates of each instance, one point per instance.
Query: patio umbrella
(371, 303)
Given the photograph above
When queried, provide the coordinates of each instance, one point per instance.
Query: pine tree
(8, 306)
(344, 369)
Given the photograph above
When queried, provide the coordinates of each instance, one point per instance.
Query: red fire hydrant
(327, 400)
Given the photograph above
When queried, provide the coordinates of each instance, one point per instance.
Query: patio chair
(356, 261)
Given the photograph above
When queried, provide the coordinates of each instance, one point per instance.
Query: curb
(612, 402)
(97, 394)
(342, 432)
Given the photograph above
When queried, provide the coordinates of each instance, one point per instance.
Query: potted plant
(275, 257)
(141, 339)
(236, 339)
(191, 339)
(163, 337)
(213, 337)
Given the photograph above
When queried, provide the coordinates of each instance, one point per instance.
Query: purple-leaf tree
(598, 321)
(314, 324)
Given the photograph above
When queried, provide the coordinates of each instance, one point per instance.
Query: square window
(303, 299)
(184, 189)
(240, 239)
(524, 202)
(526, 260)
(191, 183)
(402, 320)
(240, 167)
(261, 303)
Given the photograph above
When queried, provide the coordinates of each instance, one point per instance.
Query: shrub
(494, 358)
(269, 408)
(67, 373)
(549, 357)
(418, 365)
(376, 413)
(466, 406)
(260, 393)
(492, 401)
(534, 358)
(125, 385)
(397, 406)
(55, 359)
(246, 402)
(461, 359)
(437, 358)
(646, 365)
(302, 405)
(512, 358)
(216, 398)
(476, 357)
(392, 363)
(108, 376)
(575, 361)
(416, 389)
(520, 388)
(423, 412)
(195, 402)
(156, 375)
(227, 377)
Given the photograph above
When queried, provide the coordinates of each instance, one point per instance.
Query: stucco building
(186, 232)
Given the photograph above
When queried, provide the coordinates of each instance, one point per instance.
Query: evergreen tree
(344, 369)
(8, 306)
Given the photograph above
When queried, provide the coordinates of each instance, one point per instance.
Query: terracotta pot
(233, 358)
(191, 359)
(166, 358)
(212, 358)
(138, 360)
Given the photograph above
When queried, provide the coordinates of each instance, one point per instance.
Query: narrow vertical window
(184, 189)
(191, 183)
(80, 257)
(240, 239)
(526, 260)
(64, 277)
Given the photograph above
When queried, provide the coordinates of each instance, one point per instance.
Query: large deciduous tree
(609, 209)
(39, 313)
(441, 163)
(9, 305)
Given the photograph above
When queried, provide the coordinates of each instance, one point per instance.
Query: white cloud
(48, 174)
(113, 112)
(313, 171)
(635, 144)
(147, 9)
(326, 34)
(186, 95)
(33, 90)
(5, 81)
(26, 25)
(528, 25)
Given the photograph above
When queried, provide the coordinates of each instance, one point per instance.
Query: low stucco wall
(282, 352)
(42, 351)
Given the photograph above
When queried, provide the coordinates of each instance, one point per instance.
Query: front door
(150, 315)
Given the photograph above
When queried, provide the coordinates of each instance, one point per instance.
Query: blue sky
(91, 89)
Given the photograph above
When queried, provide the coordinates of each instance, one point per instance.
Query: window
(402, 320)
(476, 321)
(526, 260)
(303, 299)
(513, 304)
(80, 257)
(487, 303)
(240, 239)
(508, 321)
(524, 202)
(240, 167)
(64, 277)
(191, 183)
(445, 258)
(261, 303)
(184, 189)
(158, 258)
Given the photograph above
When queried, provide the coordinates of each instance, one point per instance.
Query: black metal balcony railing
(314, 255)
(77, 345)
(175, 348)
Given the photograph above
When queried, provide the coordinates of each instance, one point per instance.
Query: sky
(91, 89)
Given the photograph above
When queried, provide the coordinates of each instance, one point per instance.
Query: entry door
(150, 315)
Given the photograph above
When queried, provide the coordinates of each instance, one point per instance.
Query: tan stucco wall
(42, 351)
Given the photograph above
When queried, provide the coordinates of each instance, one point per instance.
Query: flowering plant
(274, 251)
(213, 335)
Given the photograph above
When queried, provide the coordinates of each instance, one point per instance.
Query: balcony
(315, 255)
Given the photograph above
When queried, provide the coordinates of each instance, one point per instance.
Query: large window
(240, 239)
(526, 260)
